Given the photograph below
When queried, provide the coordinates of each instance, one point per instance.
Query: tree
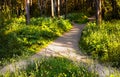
(40, 6)
(58, 8)
(27, 9)
(98, 12)
(52, 8)
(65, 9)
(115, 9)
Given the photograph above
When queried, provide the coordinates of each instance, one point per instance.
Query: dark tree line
(108, 9)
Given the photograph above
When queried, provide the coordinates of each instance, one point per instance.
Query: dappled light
(18, 39)
(60, 38)
(102, 42)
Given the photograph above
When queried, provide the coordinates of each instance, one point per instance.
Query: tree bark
(98, 12)
(65, 9)
(40, 6)
(27, 8)
(115, 11)
(55, 6)
(58, 8)
(52, 8)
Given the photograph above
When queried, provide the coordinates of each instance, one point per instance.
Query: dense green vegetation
(111, 9)
(53, 67)
(79, 18)
(102, 42)
(18, 39)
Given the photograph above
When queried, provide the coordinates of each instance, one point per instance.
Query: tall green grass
(19, 40)
(53, 67)
(102, 42)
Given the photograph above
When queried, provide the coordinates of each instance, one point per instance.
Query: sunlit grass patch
(53, 67)
(102, 42)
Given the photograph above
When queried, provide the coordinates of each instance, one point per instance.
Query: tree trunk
(65, 9)
(98, 12)
(27, 8)
(115, 11)
(31, 2)
(52, 8)
(40, 6)
(55, 6)
(58, 8)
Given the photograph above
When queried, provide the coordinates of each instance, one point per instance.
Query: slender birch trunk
(52, 8)
(58, 8)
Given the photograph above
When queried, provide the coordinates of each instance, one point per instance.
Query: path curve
(67, 46)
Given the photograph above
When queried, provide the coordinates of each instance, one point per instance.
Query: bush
(18, 39)
(78, 18)
(102, 42)
(53, 67)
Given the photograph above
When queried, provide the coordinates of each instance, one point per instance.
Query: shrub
(102, 42)
(18, 39)
(78, 18)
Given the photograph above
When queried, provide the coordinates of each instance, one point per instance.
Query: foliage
(4, 15)
(18, 39)
(111, 9)
(102, 42)
(78, 17)
(53, 67)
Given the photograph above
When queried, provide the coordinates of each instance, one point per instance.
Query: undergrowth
(79, 18)
(53, 67)
(102, 42)
(18, 40)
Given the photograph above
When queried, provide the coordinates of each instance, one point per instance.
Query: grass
(79, 18)
(53, 67)
(18, 40)
(102, 42)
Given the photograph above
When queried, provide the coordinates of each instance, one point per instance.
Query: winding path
(67, 46)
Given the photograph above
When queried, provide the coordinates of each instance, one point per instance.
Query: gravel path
(67, 46)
